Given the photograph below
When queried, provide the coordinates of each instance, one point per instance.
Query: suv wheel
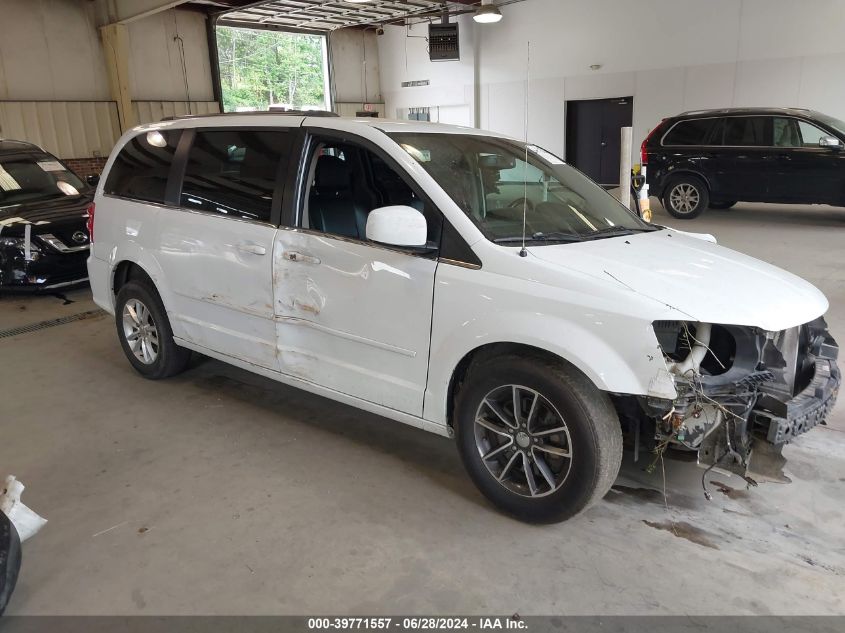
(538, 439)
(686, 197)
(145, 333)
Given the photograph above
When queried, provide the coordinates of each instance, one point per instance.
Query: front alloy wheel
(523, 440)
(536, 435)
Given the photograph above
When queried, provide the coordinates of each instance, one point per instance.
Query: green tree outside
(259, 68)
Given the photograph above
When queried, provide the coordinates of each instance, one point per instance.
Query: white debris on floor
(26, 522)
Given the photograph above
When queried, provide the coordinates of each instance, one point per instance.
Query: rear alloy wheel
(145, 334)
(536, 436)
(686, 198)
(140, 331)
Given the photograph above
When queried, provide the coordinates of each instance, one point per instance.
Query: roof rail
(316, 113)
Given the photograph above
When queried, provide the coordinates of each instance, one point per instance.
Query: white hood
(707, 282)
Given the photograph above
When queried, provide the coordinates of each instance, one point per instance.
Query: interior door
(351, 315)
(216, 248)
(593, 136)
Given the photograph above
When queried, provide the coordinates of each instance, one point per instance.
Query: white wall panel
(77, 129)
(708, 86)
(156, 70)
(671, 55)
(403, 56)
(768, 82)
(355, 66)
(154, 111)
(49, 49)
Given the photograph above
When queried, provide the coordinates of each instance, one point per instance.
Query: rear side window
(142, 167)
(233, 172)
(693, 132)
(748, 131)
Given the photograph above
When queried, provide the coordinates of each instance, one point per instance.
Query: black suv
(715, 158)
(43, 216)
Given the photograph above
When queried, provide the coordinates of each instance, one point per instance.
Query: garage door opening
(272, 70)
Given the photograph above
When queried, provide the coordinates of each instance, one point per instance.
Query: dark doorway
(593, 137)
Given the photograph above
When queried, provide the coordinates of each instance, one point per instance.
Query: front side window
(346, 181)
(693, 132)
(233, 172)
(35, 176)
(491, 181)
(142, 167)
(748, 131)
(810, 134)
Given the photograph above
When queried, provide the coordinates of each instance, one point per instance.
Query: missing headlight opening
(742, 393)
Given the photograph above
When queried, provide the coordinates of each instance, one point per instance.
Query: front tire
(686, 197)
(145, 334)
(556, 456)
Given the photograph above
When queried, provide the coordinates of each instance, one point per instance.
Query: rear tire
(722, 205)
(145, 334)
(686, 197)
(560, 412)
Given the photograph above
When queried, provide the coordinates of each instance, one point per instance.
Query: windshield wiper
(618, 231)
(555, 236)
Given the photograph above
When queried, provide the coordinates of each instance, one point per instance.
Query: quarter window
(233, 172)
(142, 167)
(693, 132)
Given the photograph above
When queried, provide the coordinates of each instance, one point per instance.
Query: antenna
(522, 251)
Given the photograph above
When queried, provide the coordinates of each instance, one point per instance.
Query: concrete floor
(220, 492)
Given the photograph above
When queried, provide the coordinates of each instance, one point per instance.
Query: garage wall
(156, 60)
(54, 87)
(355, 66)
(403, 56)
(671, 55)
(49, 49)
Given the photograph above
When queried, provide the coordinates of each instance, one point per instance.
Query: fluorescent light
(487, 13)
(357, 1)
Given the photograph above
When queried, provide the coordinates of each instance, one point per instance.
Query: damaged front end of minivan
(742, 393)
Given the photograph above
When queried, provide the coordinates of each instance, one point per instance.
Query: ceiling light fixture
(487, 13)
(357, 1)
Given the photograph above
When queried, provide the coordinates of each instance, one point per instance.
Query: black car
(716, 158)
(43, 213)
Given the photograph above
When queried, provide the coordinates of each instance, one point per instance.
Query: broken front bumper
(806, 410)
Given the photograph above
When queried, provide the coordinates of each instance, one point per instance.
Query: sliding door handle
(252, 249)
(299, 257)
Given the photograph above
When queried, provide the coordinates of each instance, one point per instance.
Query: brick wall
(86, 166)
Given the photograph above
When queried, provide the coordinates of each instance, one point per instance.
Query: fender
(617, 351)
(135, 253)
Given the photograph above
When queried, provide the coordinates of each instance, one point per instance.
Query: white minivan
(460, 282)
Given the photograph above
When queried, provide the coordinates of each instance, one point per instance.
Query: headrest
(332, 173)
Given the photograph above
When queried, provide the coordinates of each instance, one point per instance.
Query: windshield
(490, 180)
(833, 122)
(35, 176)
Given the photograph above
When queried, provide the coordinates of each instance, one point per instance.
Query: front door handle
(252, 249)
(299, 257)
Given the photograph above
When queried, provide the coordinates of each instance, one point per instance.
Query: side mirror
(93, 179)
(830, 142)
(397, 225)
